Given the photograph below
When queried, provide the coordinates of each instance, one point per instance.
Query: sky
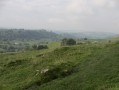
(61, 15)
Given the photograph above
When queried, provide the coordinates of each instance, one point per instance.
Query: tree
(85, 38)
(71, 42)
(42, 47)
(66, 41)
(39, 47)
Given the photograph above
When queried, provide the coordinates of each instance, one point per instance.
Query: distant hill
(20, 34)
(90, 35)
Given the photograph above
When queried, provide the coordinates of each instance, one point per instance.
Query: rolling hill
(21, 34)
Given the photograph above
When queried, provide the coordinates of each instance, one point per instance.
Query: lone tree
(66, 41)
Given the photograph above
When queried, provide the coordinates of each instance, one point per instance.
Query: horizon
(64, 31)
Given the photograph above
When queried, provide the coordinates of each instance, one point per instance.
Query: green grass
(95, 67)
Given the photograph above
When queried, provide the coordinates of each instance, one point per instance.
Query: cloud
(99, 3)
(79, 6)
(60, 14)
(104, 3)
(55, 20)
(87, 7)
(2, 3)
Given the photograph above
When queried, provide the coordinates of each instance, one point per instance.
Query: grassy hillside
(83, 67)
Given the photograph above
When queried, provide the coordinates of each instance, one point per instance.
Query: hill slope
(84, 67)
(19, 34)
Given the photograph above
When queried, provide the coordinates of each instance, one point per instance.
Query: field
(88, 66)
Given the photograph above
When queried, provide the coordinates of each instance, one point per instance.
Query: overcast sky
(61, 15)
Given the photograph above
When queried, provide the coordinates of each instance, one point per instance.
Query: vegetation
(88, 66)
(21, 34)
(39, 47)
(69, 41)
(15, 40)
